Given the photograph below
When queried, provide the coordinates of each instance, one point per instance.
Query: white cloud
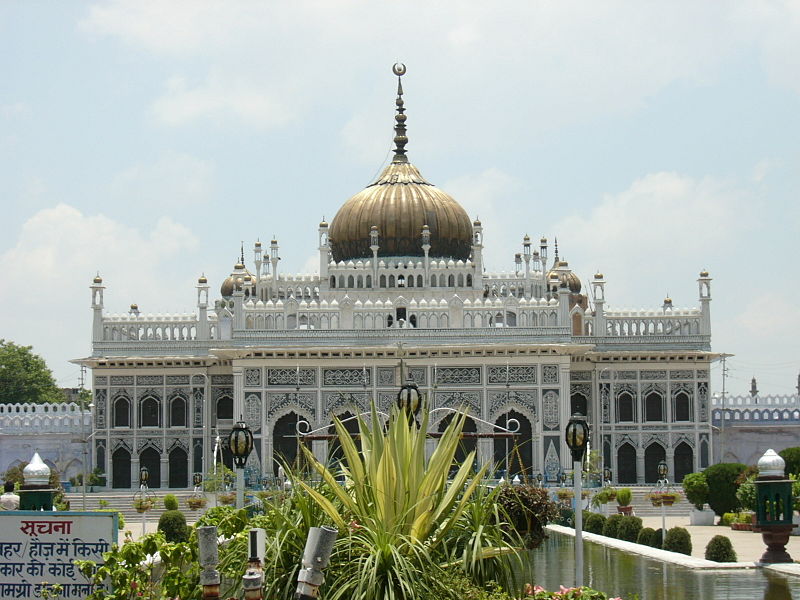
(15, 110)
(664, 220)
(175, 179)
(46, 275)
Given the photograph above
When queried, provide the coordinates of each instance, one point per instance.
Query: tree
(792, 458)
(721, 479)
(24, 376)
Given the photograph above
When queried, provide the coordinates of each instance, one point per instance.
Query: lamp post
(144, 475)
(539, 478)
(409, 399)
(240, 442)
(663, 485)
(577, 437)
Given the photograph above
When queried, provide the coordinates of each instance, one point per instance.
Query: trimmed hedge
(721, 479)
(655, 538)
(173, 524)
(595, 523)
(678, 540)
(170, 502)
(611, 526)
(629, 528)
(645, 535)
(720, 549)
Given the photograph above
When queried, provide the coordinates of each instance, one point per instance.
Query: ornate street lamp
(663, 487)
(563, 478)
(240, 441)
(663, 469)
(409, 400)
(607, 475)
(144, 475)
(197, 479)
(539, 478)
(577, 434)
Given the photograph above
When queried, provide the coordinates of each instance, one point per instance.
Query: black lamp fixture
(197, 479)
(663, 469)
(240, 442)
(607, 475)
(563, 477)
(539, 477)
(577, 436)
(409, 400)
(144, 475)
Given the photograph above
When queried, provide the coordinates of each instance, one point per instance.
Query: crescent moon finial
(399, 69)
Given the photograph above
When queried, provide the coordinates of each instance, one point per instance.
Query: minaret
(753, 388)
(526, 254)
(324, 254)
(258, 262)
(598, 290)
(704, 287)
(477, 254)
(374, 237)
(426, 248)
(97, 308)
(202, 307)
(274, 258)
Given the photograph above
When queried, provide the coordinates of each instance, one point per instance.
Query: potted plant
(655, 498)
(743, 522)
(695, 487)
(564, 494)
(142, 505)
(227, 498)
(624, 497)
(669, 498)
(196, 502)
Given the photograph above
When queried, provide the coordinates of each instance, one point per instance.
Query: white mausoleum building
(401, 279)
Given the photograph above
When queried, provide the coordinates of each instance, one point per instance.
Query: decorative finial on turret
(555, 261)
(241, 260)
(400, 139)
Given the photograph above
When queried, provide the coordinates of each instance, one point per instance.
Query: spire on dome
(400, 139)
(241, 260)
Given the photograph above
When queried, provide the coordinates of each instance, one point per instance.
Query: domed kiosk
(398, 204)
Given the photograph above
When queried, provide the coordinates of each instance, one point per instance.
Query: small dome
(598, 275)
(543, 240)
(704, 273)
(97, 279)
(476, 223)
(134, 306)
(202, 279)
(323, 223)
(771, 464)
(258, 243)
(36, 472)
(566, 277)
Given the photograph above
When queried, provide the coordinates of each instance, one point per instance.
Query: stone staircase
(123, 502)
(643, 508)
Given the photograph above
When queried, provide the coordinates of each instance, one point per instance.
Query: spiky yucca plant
(402, 516)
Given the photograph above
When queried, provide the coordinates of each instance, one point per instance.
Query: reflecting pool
(632, 576)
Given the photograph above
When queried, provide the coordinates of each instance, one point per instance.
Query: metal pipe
(316, 557)
(576, 477)
(209, 559)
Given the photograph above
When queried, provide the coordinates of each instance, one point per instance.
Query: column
(238, 393)
(165, 469)
(639, 464)
(564, 411)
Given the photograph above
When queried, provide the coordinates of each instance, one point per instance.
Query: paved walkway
(748, 545)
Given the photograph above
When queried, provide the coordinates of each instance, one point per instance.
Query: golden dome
(202, 279)
(399, 203)
(97, 279)
(598, 275)
(134, 306)
(567, 278)
(236, 280)
(704, 273)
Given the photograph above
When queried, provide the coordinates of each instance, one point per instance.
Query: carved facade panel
(336, 403)
(386, 400)
(683, 374)
(252, 411)
(581, 388)
(549, 374)
(252, 377)
(143, 443)
(199, 380)
(580, 376)
(500, 402)
(550, 409)
(458, 399)
(100, 409)
(145, 392)
(628, 375)
(149, 380)
(702, 400)
(177, 443)
(702, 374)
(653, 375)
(511, 374)
(198, 408)
(338, 377)
(552, 464)
(418, 375)
(222, 380)
(289, 376)
(122, 380)
(385, 376)
(605, 402)
(458, 375)
(178, 380)
(101, 380)
(302, 402)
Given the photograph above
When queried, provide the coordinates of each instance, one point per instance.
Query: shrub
(728, 518)
(695, 487)
(792, 458)
(612, 525)
(678, 540)
(645, 535)
(629, 528)
(719, 549)
(170, 502)
(655, 538)
(528, 509)
(624, 496)
(721, 480)
(173, 524)
(746, 494)
(595, 523)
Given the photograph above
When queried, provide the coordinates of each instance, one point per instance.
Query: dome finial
(241, 259)
(400, 139)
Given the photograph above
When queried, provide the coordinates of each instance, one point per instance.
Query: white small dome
(771, 464)
(36, 472)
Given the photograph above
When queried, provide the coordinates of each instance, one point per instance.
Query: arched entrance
(335, 453)
(121, 469)
(284, 441)
(151, 459)
(178, 468)
(653, 455)
(626, 463)
(684, 461)
(466, 445)
(504, 456)
(578, 404)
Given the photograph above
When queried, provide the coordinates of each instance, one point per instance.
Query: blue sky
(147, 139)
